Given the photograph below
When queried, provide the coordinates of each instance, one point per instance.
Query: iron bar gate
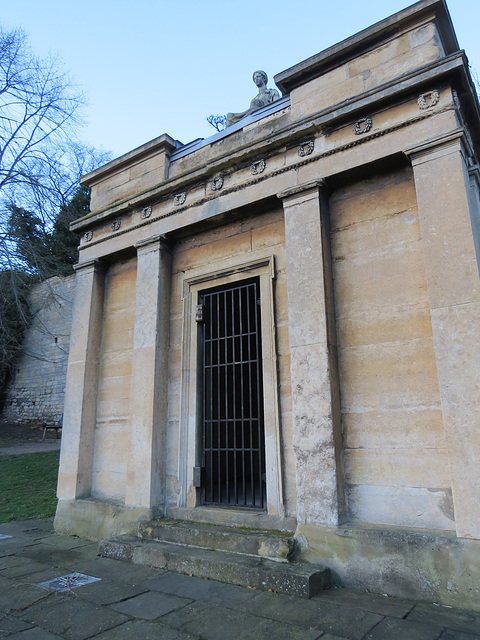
(233, 427)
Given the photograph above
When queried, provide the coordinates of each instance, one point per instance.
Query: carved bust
(264, 96)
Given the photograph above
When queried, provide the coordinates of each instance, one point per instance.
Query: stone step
(259, 573)
(266, 544)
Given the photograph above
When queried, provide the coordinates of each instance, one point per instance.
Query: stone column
(444, 204)
(146, 462)
(317, 438)
(75, 473)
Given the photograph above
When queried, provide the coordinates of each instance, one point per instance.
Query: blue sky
(150, 67)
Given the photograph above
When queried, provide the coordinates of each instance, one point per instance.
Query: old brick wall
(36, 391)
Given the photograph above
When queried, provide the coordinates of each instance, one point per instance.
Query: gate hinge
(199, 313)
(198, 476)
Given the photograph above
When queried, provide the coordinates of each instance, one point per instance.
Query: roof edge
(163, 143)
(337, 54)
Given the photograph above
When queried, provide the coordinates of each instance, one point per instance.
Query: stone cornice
(162, 144)
(365, 40)
(293, 133)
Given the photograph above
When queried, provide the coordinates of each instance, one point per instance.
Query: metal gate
(233, 427)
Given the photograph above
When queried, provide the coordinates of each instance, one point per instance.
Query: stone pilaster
(75, 473)
(474, 172)
(445, 209)
(317, 439)
(146, 463)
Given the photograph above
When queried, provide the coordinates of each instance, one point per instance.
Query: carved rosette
(217, 184)
(362, 126)
(258, 167)
(116, 224)
(146, 212)
(428, 100)
(305, 148)
(179, 198)
(88, 236)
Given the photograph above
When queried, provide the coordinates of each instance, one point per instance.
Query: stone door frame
(262, 267)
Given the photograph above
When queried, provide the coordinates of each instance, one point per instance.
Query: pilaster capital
(157, 242)
(421, 152)
(97, 266)
(305, 190)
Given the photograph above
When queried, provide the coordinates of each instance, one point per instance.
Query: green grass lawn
(28, 485)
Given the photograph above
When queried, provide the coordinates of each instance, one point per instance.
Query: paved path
(140, 603)
(30, 447)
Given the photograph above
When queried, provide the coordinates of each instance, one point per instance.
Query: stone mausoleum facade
(278, 327)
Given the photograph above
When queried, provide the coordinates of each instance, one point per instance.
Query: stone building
(36, 391)
(277, 327)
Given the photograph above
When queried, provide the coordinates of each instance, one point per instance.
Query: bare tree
(41, 161)
(217, 122)
(39, 111)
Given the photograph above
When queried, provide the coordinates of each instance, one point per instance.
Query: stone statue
(265, 96)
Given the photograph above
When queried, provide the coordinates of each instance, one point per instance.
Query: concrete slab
(35, 634)
(189, 608)
(144, 630)
(108, 592)
(10, 625)
(326, 617)
(12, 560)
(71, 618)
(20, 597)
(150, 605)
(458, 635)
(118, 572)
(26, 568)
(200, 589)
(394, 629)
(375, 603)
(431, 614)
(14, 545)
(214, 622)
(51, 555)
(28, 528)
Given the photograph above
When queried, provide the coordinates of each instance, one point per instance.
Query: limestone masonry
(277, 327)
(36, 391)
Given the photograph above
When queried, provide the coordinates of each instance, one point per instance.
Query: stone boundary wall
(35, 394)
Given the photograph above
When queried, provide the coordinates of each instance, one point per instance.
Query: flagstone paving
(140, 603)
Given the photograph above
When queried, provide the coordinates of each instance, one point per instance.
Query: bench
(50, 425)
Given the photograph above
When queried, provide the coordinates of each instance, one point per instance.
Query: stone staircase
(254, 558)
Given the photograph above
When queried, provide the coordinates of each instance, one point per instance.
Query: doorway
(233, 431)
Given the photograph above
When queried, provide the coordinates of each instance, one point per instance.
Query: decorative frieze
(179, 198)
(258, 167)
(88, 236)
(428, 100)
(116, 224)
(305, 148)
(217, 184)
(362, 126)
(146, 212)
